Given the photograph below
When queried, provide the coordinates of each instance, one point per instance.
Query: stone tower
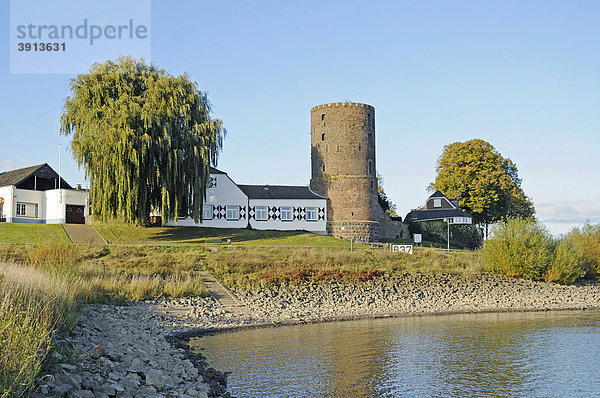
(343, 168)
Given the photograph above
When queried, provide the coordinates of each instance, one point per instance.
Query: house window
(323, 116)
(437, 202)
(27, 209)
(311, 214)
(207, 212)
(287, 213)
(323, 137)
(261, 213)
(233, 212)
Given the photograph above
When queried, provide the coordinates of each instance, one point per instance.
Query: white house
(37, 194)
(225, 206)
(267, 207)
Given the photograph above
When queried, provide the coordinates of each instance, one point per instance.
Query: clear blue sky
(523, 75)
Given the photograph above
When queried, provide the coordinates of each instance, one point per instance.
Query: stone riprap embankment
(140, 349)
(415, 295)
(125, 351)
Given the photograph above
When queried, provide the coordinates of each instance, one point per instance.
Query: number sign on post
(402, 249)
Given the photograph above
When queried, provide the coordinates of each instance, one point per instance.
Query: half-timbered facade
(265, 207)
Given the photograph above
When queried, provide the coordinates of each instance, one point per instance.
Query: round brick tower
(343, 167)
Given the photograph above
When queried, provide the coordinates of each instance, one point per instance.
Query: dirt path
(86, 234)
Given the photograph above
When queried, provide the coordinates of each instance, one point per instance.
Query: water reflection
(518, 354)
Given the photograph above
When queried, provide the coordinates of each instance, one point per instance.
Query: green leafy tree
(386, 204)
(485, 184)
(145, 139)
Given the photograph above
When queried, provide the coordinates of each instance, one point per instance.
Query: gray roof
(216, 171)
(438, 194)
(15, 177)
(279, 192)
(437, 214)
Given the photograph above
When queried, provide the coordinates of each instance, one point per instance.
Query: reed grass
(33, 305)
(118, 274)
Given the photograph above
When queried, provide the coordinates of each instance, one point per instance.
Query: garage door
(75, 214)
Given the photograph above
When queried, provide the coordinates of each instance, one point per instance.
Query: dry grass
(118, 274)
(252, 267)
(33, 305)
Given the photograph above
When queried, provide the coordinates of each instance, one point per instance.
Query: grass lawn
(129, 234)
(32, 233)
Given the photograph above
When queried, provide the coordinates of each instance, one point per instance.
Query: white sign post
(418, 238)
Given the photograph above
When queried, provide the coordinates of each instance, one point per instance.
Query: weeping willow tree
(145, 138)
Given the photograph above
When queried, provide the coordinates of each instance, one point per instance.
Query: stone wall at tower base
(393, 229)
(358, 230)
(362, 231)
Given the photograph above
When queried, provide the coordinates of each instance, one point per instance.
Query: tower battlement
(343, 104)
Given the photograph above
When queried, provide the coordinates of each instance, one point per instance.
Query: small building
(439, 208)
(37, 194)
(265, 207)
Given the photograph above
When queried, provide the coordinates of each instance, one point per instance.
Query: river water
(542, 354)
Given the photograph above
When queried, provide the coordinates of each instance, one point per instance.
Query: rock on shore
(123, 351)
(140, 349)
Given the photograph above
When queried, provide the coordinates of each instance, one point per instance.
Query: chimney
(78, 188)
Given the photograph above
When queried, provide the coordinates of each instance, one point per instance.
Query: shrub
(587, 239)
(518, 248)
(568, 263)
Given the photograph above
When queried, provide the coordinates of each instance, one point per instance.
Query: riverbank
(140, 349)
